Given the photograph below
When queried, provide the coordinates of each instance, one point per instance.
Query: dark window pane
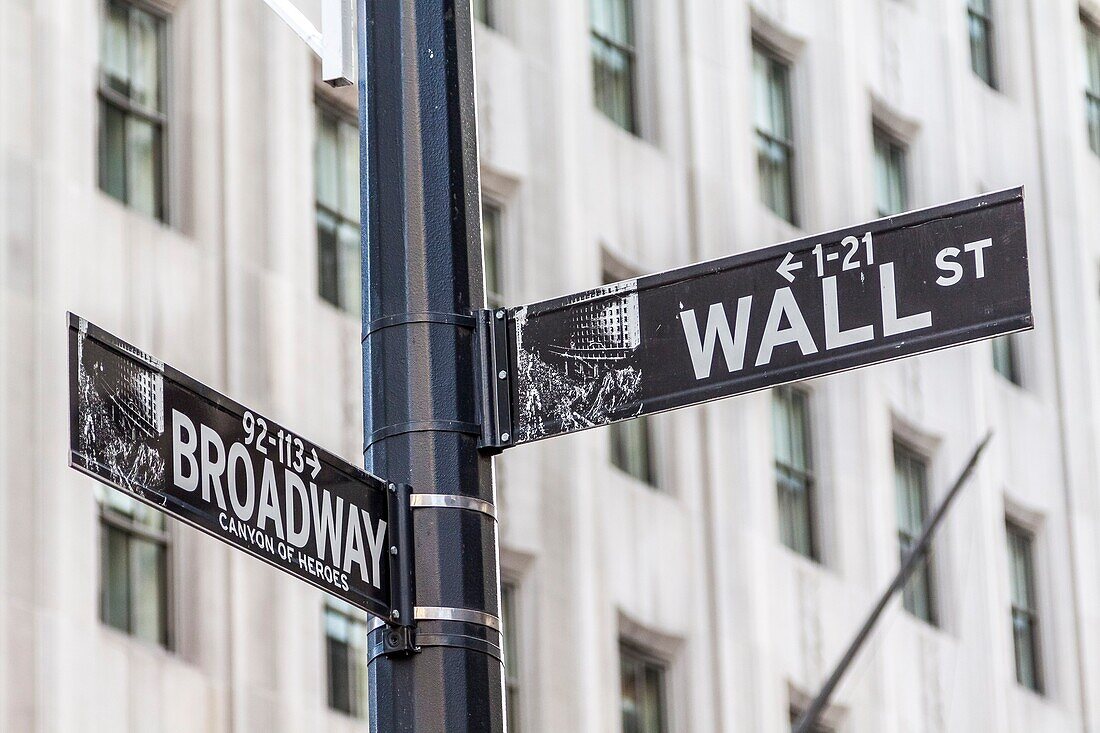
(327, 268)
(642, 692)
(614, 20)
(1025, 613)
(116, 579)
(143, 157)
(793, 470)
(491, 239)
(339, 686)
(774, 131)
(131, 135)
(1004, 358)
(613, 61)
(348, 136)
(134, 568)
(346, 658)
(114, 47)
(511, 655)
(112, 151)
(336, 181)
(630, 449)
(980, 20)
(891, 186)
(148, 611)
(348, 267)
(910, 481)
(145, 86)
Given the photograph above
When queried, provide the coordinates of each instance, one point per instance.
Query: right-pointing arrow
(787, 266)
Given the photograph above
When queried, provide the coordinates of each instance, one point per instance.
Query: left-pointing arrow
(787, 266)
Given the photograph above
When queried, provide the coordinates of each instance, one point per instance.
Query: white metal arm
(298, 22)
(334, 43)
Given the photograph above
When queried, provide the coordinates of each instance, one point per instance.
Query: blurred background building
(174, 171)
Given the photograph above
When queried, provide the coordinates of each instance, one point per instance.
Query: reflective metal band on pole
(466, 615)
(452, 501)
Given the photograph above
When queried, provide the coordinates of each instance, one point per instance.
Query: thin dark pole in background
(422, 280)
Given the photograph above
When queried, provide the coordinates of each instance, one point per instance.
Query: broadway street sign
(159, 436)
(895, 287)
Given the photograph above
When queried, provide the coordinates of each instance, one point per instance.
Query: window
(511, 654)
(483, 11)
(643, 692)
(337, 184)
(794, 477)
(774, 133)
(131, 107)
(613, 61)
(631, 452)
(980, 15)
(491, 216)
(1092, 90)
(891, 187)
(911, 484)
(1004, 359)
(346, 652)
(134, 568)
(1025, 614)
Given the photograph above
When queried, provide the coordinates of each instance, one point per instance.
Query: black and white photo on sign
(578, 364)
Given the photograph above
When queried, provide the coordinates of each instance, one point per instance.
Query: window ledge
(131, 644)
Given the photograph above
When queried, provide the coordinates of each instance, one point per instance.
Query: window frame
(110, 518)
(1091, 30)
(616, 431)
(806, 474)
(644, 659)
(1006, 347)
(897, 147)
(629, 51)
(984, 17)
(1017, 530)
(122, 103)
(495, 299)
(907, 539)
(357, 673)
(510, 602)
(777, 58)
(327, 107)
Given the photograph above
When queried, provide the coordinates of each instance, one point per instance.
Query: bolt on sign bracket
(495, 388)
(399, 639)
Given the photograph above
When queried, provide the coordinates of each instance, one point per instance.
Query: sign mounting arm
(334, 43)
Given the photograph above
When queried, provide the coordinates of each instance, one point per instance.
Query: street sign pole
(421, 283)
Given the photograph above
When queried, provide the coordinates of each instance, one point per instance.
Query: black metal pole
(422, 279)
(810, 718)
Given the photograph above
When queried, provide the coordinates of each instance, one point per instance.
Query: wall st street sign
(159, 436)
(892, 288)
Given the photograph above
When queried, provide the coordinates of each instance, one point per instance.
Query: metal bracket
(399, 637)
(495, 393)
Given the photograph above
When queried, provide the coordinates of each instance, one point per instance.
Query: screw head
(393, 488)
(500, 315)
(505, 437)
(393, 549)
(395, 614)
(502, 374)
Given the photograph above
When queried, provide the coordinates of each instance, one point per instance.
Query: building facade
(173, 171)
